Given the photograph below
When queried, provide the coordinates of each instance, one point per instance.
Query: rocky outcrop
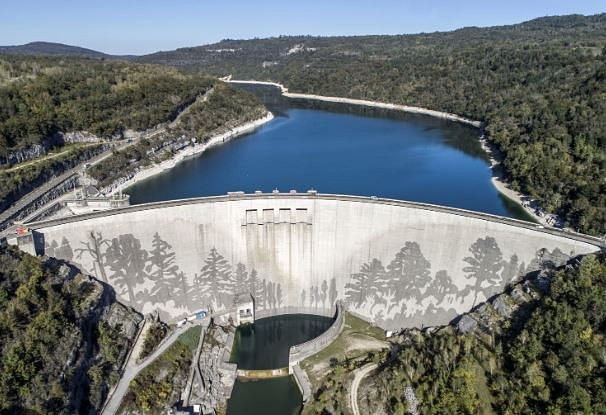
(214, 381)
(59, 139)
(31, 152)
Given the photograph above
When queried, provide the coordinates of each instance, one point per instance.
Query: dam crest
(398, 264)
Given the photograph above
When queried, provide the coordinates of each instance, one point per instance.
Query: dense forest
(546, 357)
(42, 96)
(539, 87)
(223, 108)
(63, 337)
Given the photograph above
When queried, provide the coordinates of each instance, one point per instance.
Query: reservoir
(332, 148)
(343, 150)
(265, 345)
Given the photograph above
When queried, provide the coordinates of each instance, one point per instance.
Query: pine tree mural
(214, 280)
(163, 270)
(241, 279)
(181, 291)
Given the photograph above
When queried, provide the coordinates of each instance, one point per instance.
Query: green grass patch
(355, 329)
(191, 337)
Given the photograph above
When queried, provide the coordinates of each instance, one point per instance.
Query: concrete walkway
(353, 393)
(132, 370)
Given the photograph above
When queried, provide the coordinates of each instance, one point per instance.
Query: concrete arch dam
(398, 264)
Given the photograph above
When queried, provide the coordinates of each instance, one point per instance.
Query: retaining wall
(302, 351)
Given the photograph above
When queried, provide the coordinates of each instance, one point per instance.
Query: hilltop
(52, 49)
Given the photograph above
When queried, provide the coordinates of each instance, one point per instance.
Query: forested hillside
(63, 337)
(40, 97)
(538, 351)
(539, 87)
(224, 107)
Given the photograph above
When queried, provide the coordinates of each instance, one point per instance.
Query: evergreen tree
(163, 270)
(214, 280)
(241, 279)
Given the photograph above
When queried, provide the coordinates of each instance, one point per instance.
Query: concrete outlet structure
(397, 264)
(244, 309)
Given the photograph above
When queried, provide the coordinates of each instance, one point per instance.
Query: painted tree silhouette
(214, 279)
(199, 294)
(127, 260)
(441, 286)
(408, 272)
(302, 298)
(95, 247)
(324, 293)
(279, 296)
(255, 288)
(316, 291)
(485, 265)
(365, 284)
(271, 294)
(332, 292)
(163, 270)
(62, 251)
(263, 295)
(510, 269)
(240, 279)
(311, 296)
(180, 291)
(544, 259)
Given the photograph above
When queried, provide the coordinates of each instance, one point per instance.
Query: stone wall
(397, 264)
(302, 351)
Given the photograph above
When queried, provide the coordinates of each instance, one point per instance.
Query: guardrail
(234, 196)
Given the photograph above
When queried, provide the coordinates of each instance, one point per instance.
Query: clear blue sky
(144, 26)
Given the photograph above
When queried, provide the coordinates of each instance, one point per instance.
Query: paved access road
(353, 393)
(132, 369)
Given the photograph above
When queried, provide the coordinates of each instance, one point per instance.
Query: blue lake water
(411, 158)
(341, 150)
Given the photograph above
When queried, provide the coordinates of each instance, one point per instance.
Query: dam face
(397, 264)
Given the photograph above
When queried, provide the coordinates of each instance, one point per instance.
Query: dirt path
(353, 393)
(51, 156)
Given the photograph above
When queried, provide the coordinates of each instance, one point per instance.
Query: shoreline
(365, 103)
(499, 182)
(189, 152)
(497, 179)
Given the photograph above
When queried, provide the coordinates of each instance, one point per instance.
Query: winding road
(131, 370)
(353, 393)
